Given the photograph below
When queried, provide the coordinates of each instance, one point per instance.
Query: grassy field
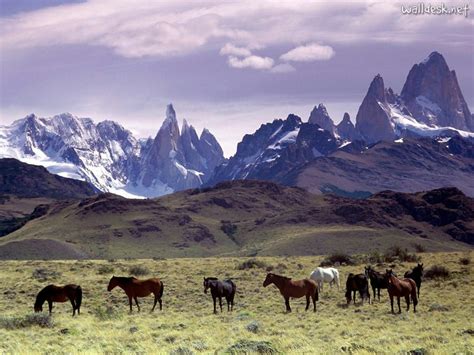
(443, 323)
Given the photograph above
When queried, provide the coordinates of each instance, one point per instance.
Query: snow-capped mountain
(275, 148)
(431, 106)
(109, 157)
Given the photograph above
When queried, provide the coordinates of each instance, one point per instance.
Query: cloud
(309, 53)
(283, 68)
(253, 62)
(143, 28)
(230, 49)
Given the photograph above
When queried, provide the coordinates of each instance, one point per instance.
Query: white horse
(321, 275)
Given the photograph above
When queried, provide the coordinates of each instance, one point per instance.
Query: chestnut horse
(401, 288)
(134, 288)
(294, 289)
(53, 293)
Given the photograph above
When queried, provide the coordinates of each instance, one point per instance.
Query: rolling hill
(243, 218)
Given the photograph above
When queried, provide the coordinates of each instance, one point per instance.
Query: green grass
(258, 323)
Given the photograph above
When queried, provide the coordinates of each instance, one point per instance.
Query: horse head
(112, 283)
(38, 307)
(368, 269)
(419, 267)
(206, 284)
(268, 280)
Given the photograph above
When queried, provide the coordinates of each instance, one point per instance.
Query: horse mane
(282, 277)
(212, 278)
(126, 279)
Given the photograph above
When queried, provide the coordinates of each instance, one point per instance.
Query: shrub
(400, 254)
(181, 351)
(340, 258)
(437, 272)
(45, 274)
(105, 269)
(139, 270)
(42, 320)
(251, 264)
(419, 248)
(251, 347)
(465, 261)
(106, 313)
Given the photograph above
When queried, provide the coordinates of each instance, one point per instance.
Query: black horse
(416, 274)
(357, 283)
(220, 289)
(377, 280)
(53, 293)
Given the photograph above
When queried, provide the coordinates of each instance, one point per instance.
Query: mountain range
(241, 218)
(110, 158)
(417, 140)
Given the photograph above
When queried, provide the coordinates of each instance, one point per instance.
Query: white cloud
(167, 28)
(230, 49)
(309, 53)
(283, 68)
(253, 62)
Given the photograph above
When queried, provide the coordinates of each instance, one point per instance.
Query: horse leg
(154, 304)
(354, 297)
(378, 292)
(228, 303)
(418, 288)
(136, 302)
(313, 297)
(220, 303)
(287, 304)
(407, 300)
(214, 301)
(398, 302)
(307, 302)
(373, 290)
(391, 303)
(73, 306)
(130, 303)
(50, 306)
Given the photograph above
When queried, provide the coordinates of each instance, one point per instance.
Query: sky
(229, 66)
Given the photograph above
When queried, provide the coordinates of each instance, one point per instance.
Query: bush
(340, 258)
(42, 320)
(106, 313)
(252, 264)
(252, 347)
(401, 254)
(419, 248)
(105, 269)
(45, 274)
(437, 272)
(181, 351)
(139, 270)
(465, 261)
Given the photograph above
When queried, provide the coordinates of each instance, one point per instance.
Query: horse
(356, 283)
(399, 288)
(53, 293)
(294, 289)
(134, 288)
(321, 275)
(377, 280)
(416, 275)
(221, 289)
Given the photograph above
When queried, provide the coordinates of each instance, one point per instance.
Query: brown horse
(138, 288)
(294, 289)
(53, 293)
(401, 288)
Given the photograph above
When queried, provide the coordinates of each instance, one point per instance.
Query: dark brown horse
(294, 289)
(401, 288)
(356, 283)
(220, 289)
(377, 280)
(135, 288)
(416, 274)
(53, 293)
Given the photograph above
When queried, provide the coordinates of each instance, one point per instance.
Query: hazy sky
(225, 65)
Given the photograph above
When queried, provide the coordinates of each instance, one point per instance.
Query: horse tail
(336, 276)
(78, 297)
(414, 298)
(316, 294)
(160, 294)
